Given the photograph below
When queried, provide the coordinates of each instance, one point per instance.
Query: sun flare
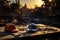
(32, 3)
(39, 2)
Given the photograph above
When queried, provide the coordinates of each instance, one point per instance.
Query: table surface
(43, 29)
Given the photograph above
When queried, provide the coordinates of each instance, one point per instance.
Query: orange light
(50, 0)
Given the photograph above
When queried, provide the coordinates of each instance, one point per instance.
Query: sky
(31, 3)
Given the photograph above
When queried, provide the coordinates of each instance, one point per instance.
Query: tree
(14, 6)
(37, 13)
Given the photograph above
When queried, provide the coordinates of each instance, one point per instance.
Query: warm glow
(39, 3)
(36, 3)
(32, 3)
(50, 0)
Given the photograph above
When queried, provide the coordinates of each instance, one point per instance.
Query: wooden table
(44, 29)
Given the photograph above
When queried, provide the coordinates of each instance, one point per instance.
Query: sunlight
(39, 3)
(50, 0)
(32, 3)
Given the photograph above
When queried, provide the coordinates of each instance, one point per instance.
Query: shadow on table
(52, 36)
(4, 34)
(23, 34)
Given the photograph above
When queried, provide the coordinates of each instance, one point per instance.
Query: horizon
(31, 4)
